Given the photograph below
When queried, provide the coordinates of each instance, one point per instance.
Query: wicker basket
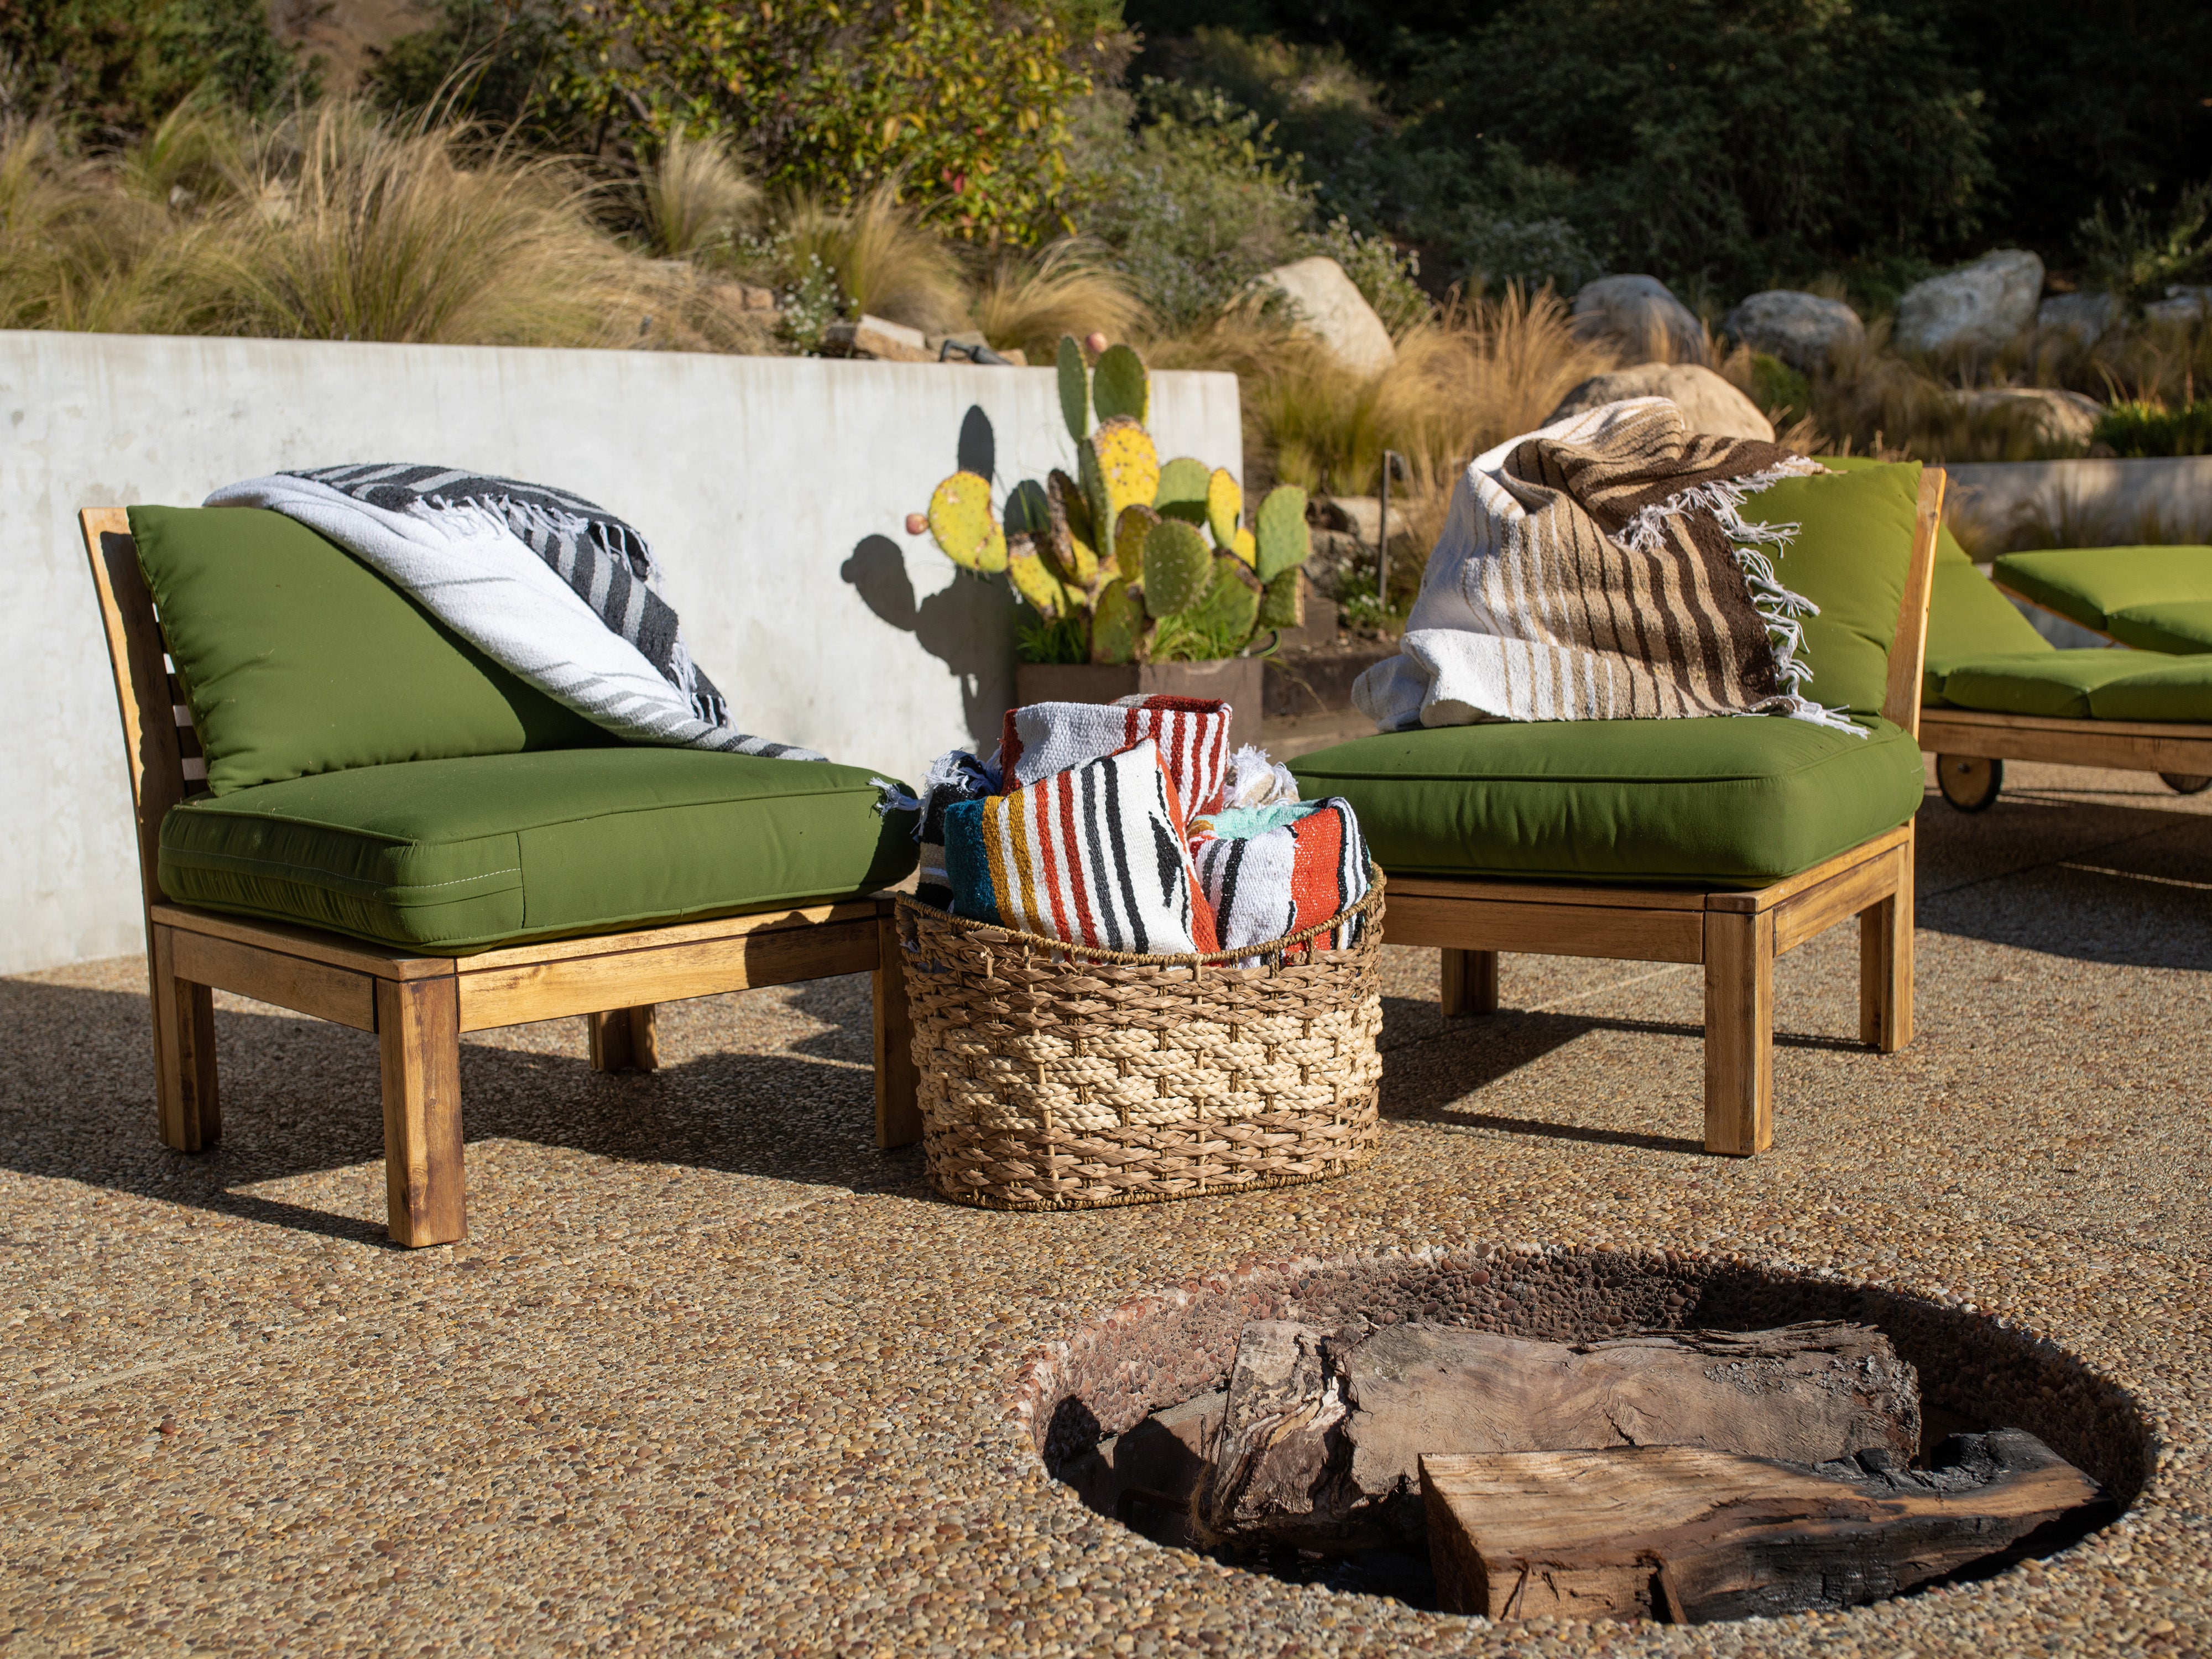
(1057, 1076)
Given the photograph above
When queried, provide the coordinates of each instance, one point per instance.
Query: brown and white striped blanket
(1602, 568)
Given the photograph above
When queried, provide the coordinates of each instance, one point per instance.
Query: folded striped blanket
(1271, 871)
(556, 590)
(1095, 854)
(1191, 735)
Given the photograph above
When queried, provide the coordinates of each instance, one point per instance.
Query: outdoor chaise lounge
(344, 810)
(1720, 841)
(1996, 689)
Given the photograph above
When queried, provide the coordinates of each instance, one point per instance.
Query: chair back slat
(157, 728)
(1908, 649)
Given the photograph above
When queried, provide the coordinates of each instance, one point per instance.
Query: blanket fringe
(1778, 607)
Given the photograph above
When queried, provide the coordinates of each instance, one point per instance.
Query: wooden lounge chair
(1546, 795)
(420, 1004)
(1997, 691)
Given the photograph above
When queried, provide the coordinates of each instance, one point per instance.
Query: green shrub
(1782, 394)
(2143, 428)
(127, 64)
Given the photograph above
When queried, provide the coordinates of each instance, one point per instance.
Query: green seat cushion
(2091, 585)
(451, 856)
(1849, 557)
(297, 658)
(2180, 627)
(1969, 619)
(2162, 688)
(2058, 683)
(1722, 802)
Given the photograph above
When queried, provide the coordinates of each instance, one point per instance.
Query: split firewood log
(1689, 1535)
(1320, 1437)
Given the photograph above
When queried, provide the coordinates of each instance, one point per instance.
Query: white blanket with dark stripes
(556, 590)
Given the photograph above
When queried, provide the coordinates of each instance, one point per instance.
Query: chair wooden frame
(418, 1006)
(1735, 935)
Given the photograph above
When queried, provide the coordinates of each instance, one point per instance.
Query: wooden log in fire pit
(1690, 1535)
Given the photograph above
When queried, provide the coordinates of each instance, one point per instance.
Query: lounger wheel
(2186, 783)
(1969, 782)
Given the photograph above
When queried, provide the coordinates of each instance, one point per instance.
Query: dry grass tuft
(885, 262)
(1028, 302)
(695, 197)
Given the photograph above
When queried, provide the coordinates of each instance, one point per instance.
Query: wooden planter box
(1235, 680)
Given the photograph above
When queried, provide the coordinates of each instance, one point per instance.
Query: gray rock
(2062, 419)
(2087, 318)
(1331, 307)
(874, 336)
(2181, 305)
(1981, 307)
(1801, 329)
(1709, 404)
(1644, 315)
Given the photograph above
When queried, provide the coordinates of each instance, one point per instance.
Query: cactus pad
(1120, 468)
(1072, 540)
(1283, 536)
(1182, 490)
(1119, 385)
(1230, 604)
(1246, 547)
(1035, 582)
(960, 519)
(1074, 389)
(1117, 625)
(1177, 568)
(1284, 603)
(1225, 504)
(1134, 524)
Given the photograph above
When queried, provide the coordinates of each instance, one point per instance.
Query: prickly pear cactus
(1284, 540)
(1074, 389)
(1284, 603)
(1224, 503)
(960, 519)
(1120, 468)
(1177, 568)
(1230, 604)
(1118, 624)
(1182, 490)
(1245, 547)
(1035, 582)
(1120, 386)
(1074, 539)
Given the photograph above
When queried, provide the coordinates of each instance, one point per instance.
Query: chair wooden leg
(899, 1080)
(625, 1040)
(190, 1110)
(1886, 964)
(418, 1026)
(1470, 981)
(1739, 1031)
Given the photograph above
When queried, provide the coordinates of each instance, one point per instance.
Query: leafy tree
(127, 64)
(965, 103)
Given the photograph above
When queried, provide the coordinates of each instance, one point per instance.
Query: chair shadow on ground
(302, 1097)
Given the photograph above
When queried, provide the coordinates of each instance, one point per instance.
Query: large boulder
(2181, 305)
(2063, 420)
(1978, 309)
(1331, 307)
(1801, 329)
(2086, 318)
(1641, 314)
(1709, 404)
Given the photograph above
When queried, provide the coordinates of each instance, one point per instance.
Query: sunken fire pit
(1158, 1365)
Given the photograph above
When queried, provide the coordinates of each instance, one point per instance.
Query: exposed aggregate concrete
(710, 1373)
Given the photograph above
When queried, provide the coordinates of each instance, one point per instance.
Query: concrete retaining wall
(2115, 503)
(775, 488)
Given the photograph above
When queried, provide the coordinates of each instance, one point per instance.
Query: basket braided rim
(1367, 905)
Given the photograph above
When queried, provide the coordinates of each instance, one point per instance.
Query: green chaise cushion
(1849, 557)
(2091, 683)
(1724, 802)
(2098, 586)
(2177, 627)
(2162, 688)
(297, 659)
(451, 856)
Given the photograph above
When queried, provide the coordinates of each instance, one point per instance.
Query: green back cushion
(1849, 558)
(1968, 618)
(2182, 627)
(297, 658)
(2088, 585)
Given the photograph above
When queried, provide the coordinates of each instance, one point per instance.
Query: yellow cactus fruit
(1224, 505)
(960, 519)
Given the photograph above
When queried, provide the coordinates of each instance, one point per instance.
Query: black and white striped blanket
(552, 586)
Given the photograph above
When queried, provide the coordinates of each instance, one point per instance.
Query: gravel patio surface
(711, 1373)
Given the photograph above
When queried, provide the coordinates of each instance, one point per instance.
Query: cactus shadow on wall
(969, 627)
